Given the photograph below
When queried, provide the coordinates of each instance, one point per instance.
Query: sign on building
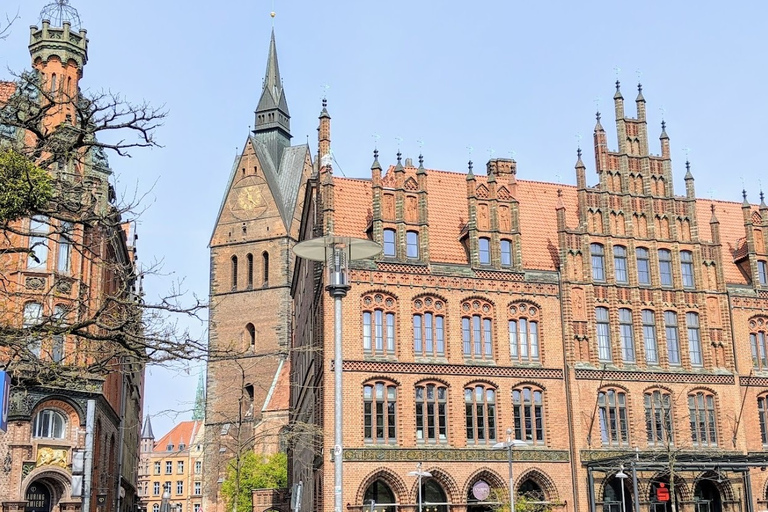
(5, 396)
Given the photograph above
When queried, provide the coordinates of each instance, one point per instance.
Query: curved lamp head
(337, 252)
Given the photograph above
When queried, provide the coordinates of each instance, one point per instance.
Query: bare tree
(5, 27)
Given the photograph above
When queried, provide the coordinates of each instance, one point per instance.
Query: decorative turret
(714, 226)
(601, 144)
(664, 138)
(763, 207)
(690, 193)
(618, 101)
(640, 102)
(147, 437)
(324, 132)
(273, 122)
(581, 171)
(560, 208)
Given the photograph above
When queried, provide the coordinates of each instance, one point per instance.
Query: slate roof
(146, 432)
(448, 214)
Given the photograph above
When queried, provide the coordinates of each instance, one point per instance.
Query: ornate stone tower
(251, 271)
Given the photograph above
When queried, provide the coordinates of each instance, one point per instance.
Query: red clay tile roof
(281, 394)
(6, 89)
(184, 433)
(538, 201)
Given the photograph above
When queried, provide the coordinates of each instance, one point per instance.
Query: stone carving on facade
(34, 283)
(20, 403)
(47, 456)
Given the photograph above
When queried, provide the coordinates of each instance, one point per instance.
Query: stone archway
(53, 481)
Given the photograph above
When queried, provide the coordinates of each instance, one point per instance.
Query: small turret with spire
(273, 121)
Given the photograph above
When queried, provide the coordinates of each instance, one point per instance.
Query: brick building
(608, 325)
(75, 404)
(250, 303)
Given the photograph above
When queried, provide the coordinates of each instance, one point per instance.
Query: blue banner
(5, 396)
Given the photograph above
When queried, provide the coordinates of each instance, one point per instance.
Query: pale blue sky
(502, 75)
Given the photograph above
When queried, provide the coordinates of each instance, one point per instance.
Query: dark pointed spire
(198, 413)
(598, 126)
(762, 201)
(618, 95)
(375, 164)
(663, 130)
(744, 195)
(273, 121)
(640, 92)
(470, 174)
(713, 218)
(146, 432)
(324, 112)
(399, 166)
(579, 162)
(688, 175)
(421, 169)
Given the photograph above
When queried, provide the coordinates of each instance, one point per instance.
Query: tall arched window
(506, 253)
(389, 243)
(429, 327)
(603, 334)
(673, 337)
(612, 406)
(380, 494)
(620, 264)
(234, 273)
(665, 268)
(38, 242)
(626, 335)
(379, 324)
(53, 83)
(762, 410)
(758, 337)
(480, 408)
(598, 262)
(49, 424)
(63, 262)
(523, 327)
(477, 329)
(694, 339)
(250, 331)
(431, 413)
(649, 337)
(380, 412)
(686, 269)
(412, 244)
(658, 417)
(250, 271)
(265, 267)
(33, 315)
(484, 250)
(643, 266)
(701, 409)
(528, 410)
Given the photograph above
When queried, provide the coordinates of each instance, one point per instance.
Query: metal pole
(511, 480)
(90, 416)
(338, 406)
(419, 486)
(623, 499)
(635, 487)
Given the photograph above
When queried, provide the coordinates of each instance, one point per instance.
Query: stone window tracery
(658, 417)
(612, 407)
(701, 409)
(480, 409)
(523, 325)
(429, 327)
(477, 329)
(758, 339)
(431, 412)
(380, 412)
(379, 324)
(528, 411)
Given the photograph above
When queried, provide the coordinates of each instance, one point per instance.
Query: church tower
(251, 271)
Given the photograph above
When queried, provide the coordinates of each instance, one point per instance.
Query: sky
(454, 80)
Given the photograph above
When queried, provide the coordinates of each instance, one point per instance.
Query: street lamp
(421, 474)
(622, 476)
(165, 501)
(508, 445)
(337, 252)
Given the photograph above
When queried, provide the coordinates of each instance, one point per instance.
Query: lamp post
(508, 445)
(165, 501)
(622, 476)
(337, 252)
(420, 474)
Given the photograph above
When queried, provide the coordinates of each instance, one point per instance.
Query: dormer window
(389, 242)
(484, 251)
(412, 244)
(169, 447)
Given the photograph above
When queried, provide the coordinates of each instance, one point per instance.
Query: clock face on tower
(248, 202)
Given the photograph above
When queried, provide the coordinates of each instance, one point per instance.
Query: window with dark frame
(620, 264)
(694, 339)
(598, 262)
(380, 412)
(665, 268)
(428, 327)
(603, 334)
(643, 266)
(484, 250)
(528, 411)
(523, 327)
(686, 269)
(673, 337)
(650, 341)
(612, 407)
(379, 325)
(412, 244)
(626, 335)
(505, 247)
(431, 413)
(389, 243)
(480, 413)
(701, 409)
(658, 417)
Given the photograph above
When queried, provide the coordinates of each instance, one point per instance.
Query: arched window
(658, 417)
(265, 267)
(484, 250)
(506, 253)
(38, 243)
(528, 410)
(477, 329)
(49, 424)
(389, 243)
(380, 412)
(480, 408)
(53, 83)
(612, 496)
(620, 264)
(694, 339)
(431, 413)
(379, 324)
(251, 332)
(649, 337)
(33, 315)
(598, 262)
(758, 336)
(603, 334)
(701, 408)
(248, 394)
(412, 244)
(381, 495)
(57, 341)
(612, 406)
(686, 269)
(673, 337)
(250, 271)
(156, 507)
(429, 327)
(762, 410)
(643, 266)
(63, 262)
(433, 494)
(762, 272)
(665, 268)
(234, 273)
(626, 335)
(523, 327)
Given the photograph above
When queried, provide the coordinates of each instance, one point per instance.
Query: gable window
(762, 272)
(428, 327)
(379, 412)
(761, 411)
(673, 337)
(643, 266)
(234, 273)
(603, 335)
(658, 417)
(649, 337)
(484, 250)
(612, 406)
(38, 243)
(701, 408)
(620, 264)
(598, 262)
(412, 244)
(431, 413)
(506, 253)
(476, 330)
(665, 267)
(627, 335)
(694, 338)
(49, 424)
(686, 269)
(523, 332)
(528, 410)
(389, 242)
(63, 263)
(480, 408)
(378, 324)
